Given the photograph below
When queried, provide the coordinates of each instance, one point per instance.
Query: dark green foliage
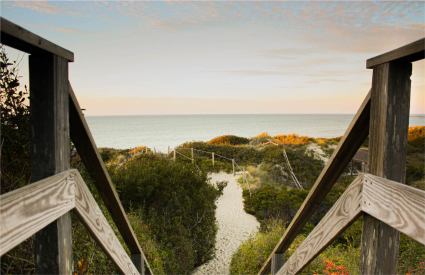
(15, 154)
(177, 204)
(269, 202)
(15, 128)
(251, 255)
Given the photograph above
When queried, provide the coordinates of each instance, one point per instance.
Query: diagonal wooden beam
(345, 210)
(27, 210)
(93, 218)
(400, 206)
(87, 149)
(347, 147)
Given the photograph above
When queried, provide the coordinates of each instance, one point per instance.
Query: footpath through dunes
(234, 225)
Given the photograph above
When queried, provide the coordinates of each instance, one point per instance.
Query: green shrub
(151, 248)
(251, 255)
(268, 202)
(177, 203)
(15, 127)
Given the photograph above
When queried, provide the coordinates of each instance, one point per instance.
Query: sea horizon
(159, 132)
(230, 114)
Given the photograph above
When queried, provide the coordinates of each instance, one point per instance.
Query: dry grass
(415, 133)
(292, 139)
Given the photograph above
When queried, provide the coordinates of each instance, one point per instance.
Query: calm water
(159, 132)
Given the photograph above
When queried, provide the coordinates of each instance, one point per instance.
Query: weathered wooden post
(191, 152)
(50, 153)
(233, 166)
(168, 150)
(389, 121)
(139, 261)
(212, 157)
(174, 155)
(277, 262)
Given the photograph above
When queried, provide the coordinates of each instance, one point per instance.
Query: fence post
(174, 155)
(139, 262)
(212, 157)
(191, 152)
(233, 166)
(277, 262)
(389, 121)
(50, 154)
(168, 150)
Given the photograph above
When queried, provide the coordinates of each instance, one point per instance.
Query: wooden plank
(86, 147)
(96, 222)
(25, 211)
(24, 40)
(389, 120)
(50, 153)
(277, 262)
(400, 206)
(347, 147)
(408, 53)
(345, 210)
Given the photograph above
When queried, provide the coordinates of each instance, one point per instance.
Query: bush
(177, 203)
(251, 255)
(228, 140)
(268, 202)
(15, 128)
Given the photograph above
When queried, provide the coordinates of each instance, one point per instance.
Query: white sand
(234, 226)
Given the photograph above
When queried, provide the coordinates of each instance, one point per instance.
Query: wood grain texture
(277, 262)
(398, 205)
(345, 210)
(389, 120)
(50, 153)
(25, 211)
(93, 218)
(408, 53)
(347, 147)
(24, 40)
(87, 149)
(19, 38)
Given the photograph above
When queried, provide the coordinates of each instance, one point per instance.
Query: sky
(223, 57)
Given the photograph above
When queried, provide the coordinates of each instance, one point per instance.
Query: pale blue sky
(224, 57)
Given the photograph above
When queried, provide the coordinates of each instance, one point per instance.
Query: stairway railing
(384, 116)
(56, 120)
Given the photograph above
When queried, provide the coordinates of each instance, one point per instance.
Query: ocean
(160, 131)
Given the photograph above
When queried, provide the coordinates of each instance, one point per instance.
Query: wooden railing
(25, 211)
(384, 116)
(42, 208)
(398, 205)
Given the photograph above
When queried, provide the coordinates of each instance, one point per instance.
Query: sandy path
(234, 226)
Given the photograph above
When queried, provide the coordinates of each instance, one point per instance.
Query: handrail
(398, 205)
(86, 147)
(347, 147)
(407, 53)
(24, 40)
(23, 213)
(27, 210)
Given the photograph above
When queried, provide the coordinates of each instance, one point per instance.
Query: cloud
(38, 6)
